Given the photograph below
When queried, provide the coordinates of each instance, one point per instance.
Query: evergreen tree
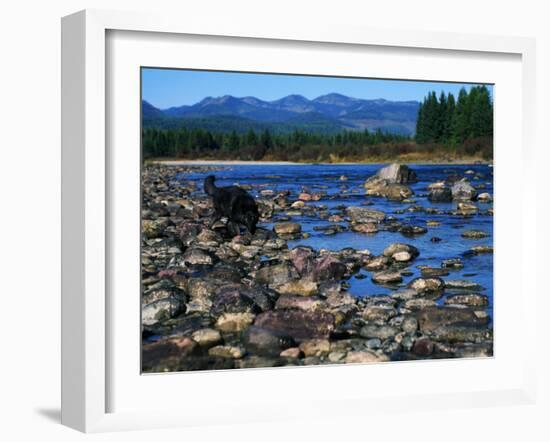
(461, 120)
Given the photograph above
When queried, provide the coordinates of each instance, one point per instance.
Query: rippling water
(326, 178)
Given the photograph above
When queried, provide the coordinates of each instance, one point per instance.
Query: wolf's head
(209, 185)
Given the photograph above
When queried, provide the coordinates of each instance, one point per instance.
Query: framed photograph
(286, 221)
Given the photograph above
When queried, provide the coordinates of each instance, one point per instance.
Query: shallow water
(326, 178)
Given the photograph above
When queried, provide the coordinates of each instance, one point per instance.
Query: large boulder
(397, 174)
(463, 190)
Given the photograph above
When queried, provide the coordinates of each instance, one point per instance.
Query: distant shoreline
(290, 163)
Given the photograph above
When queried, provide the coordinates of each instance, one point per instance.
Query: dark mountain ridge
(327, 113)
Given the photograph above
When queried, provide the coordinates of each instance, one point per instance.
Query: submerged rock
(474, 234)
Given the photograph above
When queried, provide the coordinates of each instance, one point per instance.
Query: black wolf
(234, 203)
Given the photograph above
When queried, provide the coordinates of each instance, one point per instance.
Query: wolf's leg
(233, 228)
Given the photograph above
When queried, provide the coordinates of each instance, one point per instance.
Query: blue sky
(165, 88)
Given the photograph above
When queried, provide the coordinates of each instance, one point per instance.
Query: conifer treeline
(453, 122)
(201, 143)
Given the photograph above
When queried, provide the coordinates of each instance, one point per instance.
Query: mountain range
(327, 114)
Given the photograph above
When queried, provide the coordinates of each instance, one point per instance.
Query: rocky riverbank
(212, 301)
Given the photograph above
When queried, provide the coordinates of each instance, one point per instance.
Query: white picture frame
(85, 213)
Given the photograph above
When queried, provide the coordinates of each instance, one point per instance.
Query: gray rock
(266, 342)
(397, 173)
(463, 190)
(378, 331)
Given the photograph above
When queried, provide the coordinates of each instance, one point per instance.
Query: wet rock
(405, 294)
(266, 342)
(471, 300)
(207, 337)
(480, 350)
(452, 263)
(427, 286)
(166, 351)
(409, 325)
(412, 230)
(423, 347)
(365, 357)
(255, 361)
(419, 303)
(395, 248)
(463, 190)
(197, 257)
(460, 333)
(440, 195)
(328, 268)
(297, 323)
(428, 272)
(467, 208)
(232, 300)
(162, 309)
(431, 318)
(306, 303)
(378, 331)
(376, 186)
(315, 347)
(397, 192)
(462, 284)
(377, 263)
(301, 287)
(154, 228)
(474, 234)
(363, 215)
(387, 277)
(226, 351)
(287, 228)
(436, 185)
(368, 228)
(484, 197)
(302, 259)
(234, 322)
(379, 313)
(188, 233)
(481, 249)
(275, 275)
